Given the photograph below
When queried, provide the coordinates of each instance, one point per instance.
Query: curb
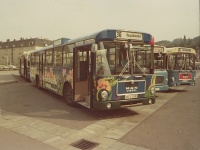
(8, 82)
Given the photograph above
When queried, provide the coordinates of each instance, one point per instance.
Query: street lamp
(6, 59)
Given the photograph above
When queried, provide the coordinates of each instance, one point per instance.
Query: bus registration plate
(131, 96)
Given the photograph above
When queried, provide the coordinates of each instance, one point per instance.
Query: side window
(36, 59)
(32, 59)
(58, 56)
(68, 55)
(112, 59)
(49, 57)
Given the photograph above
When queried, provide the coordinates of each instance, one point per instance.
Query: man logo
(131, 89)
(185, 76)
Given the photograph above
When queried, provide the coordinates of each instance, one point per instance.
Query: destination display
(158, 49)
(184, 50)
(129, 35)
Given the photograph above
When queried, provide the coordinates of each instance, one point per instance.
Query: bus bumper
(115, 104)
(161, 87)
(181, 83)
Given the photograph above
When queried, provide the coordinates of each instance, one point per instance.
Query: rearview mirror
(94, 48)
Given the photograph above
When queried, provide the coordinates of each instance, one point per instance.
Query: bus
(161, 83)
(24, 65)
(180, 64)
(100, 71)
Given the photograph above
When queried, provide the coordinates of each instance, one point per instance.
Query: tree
(184, 41)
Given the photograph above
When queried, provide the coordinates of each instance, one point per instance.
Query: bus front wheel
(68, 95)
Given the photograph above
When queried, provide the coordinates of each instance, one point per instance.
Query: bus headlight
(109, 105)
(103, 94)
(152, 90)
(173, 79)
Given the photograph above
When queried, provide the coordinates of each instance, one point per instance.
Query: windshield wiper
(124, 69)
(184, 64)
(141, 69)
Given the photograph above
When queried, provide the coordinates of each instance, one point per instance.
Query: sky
(54, 19)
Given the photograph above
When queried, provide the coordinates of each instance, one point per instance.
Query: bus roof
(108, 34)
(113, 34)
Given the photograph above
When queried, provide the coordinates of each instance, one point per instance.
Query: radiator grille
(159, 80)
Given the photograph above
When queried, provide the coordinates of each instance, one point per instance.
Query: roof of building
(25, 43)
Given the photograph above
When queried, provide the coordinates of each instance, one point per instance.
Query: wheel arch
(66, 84)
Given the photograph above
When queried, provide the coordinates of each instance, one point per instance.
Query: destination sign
(158, 49)
(184, 50)
(60, 41)
(89, 41)
(129, 35)
(79, 43)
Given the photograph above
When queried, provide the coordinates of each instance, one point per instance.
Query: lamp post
(12, 59)
(6, 59)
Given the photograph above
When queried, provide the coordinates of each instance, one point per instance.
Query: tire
(68, 95)
(147, 102)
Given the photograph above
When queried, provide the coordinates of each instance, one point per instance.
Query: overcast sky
(53, 19)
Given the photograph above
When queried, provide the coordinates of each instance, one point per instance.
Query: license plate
(131, 96)
(184, 80)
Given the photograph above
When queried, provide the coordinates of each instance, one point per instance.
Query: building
(10, 51)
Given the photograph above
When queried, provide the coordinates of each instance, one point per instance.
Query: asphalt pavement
(7, 77)
(172, 127)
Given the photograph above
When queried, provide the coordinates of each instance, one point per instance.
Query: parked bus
(180, 64)
(160, 70)
(99, 71)
(24, 65)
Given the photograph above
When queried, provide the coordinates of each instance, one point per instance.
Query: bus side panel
(55, 77)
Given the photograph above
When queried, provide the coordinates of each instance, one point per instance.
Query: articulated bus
(24, 65)
(99, 71)
(180, 64)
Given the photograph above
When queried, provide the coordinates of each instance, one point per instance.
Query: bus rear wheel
(68, 95)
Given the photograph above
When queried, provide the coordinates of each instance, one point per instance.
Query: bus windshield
(180, 61)
(141, 61)
(117, 58)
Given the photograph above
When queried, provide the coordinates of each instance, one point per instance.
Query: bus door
(82, 74)
(41, 68)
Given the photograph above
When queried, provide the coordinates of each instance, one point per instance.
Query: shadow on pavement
(173, 91)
